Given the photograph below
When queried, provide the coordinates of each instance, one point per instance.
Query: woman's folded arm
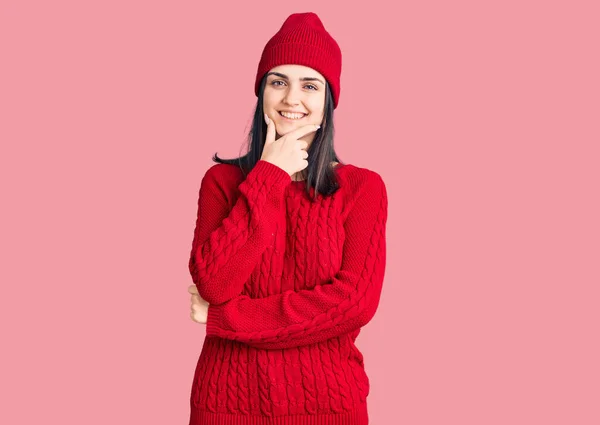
(337, 306)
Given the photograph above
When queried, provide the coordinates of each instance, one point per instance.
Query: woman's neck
(297, 177)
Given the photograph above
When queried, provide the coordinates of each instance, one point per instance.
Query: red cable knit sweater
(290, 283)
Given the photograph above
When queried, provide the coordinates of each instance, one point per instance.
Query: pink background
(482, 117)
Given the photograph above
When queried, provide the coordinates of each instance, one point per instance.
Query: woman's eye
(274, 83)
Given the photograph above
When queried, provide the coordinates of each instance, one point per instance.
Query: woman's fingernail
(266, 119)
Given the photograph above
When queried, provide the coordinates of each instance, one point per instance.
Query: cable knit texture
(290, 283)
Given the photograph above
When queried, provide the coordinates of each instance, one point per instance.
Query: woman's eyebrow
(301, 79)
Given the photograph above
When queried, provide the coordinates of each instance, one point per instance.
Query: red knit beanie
(303, 40)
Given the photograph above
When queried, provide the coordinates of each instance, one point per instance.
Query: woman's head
(294, 96)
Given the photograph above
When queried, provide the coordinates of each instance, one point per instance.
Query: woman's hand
(289, 151)
(199, 307)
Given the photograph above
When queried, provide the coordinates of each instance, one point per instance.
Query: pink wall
(482, 119)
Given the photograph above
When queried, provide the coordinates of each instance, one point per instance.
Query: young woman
(288, 255)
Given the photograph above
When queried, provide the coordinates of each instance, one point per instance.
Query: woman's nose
(292, 97)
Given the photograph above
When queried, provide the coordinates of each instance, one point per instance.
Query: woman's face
(294, 88)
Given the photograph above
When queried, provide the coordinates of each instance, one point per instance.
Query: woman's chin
(286, 126)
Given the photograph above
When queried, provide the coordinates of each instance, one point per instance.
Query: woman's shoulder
(357, 176)
(222, 179)
(362, 188)
(222, 168)
(224, 172)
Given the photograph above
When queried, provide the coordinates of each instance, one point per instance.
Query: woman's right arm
(228, 244)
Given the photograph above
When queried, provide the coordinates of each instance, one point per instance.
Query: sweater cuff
(272, 172)
(213, 320)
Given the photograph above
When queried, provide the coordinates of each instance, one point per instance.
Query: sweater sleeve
(227, 244)
(340, 305)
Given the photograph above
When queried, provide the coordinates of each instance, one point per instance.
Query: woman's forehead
(296, 71)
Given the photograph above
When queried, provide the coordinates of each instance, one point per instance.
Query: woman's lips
(291, 119)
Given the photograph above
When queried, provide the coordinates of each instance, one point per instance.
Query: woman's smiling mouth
(292, 116)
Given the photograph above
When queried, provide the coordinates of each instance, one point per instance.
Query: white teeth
(293, 116)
